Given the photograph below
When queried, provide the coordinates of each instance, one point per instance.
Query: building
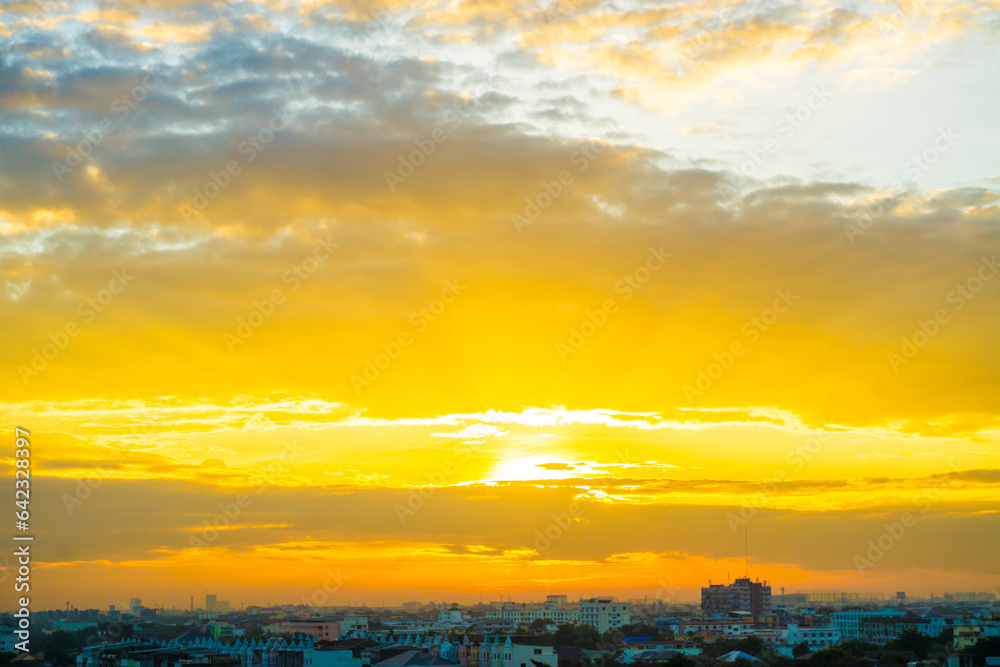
(970, 597)
(718, 627)
(848, 623)
(211, 603)
(815, 637)
(449, 617)
(556, 602)
(882, 630)
(525, 614)
(317, 628)
(604, 613)
(791, 600)
(354, 625)
(8, 640)
(214, 653)
(657, 651)
(135, 606)
(968, 632)
(741, 595)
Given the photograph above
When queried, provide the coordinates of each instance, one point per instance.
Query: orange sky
(479, 299)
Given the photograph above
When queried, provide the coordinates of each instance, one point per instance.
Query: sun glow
(526, 468)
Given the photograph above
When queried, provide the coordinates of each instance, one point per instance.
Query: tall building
(604, 613)
(135, 605)
(741, 595)
(210, 602)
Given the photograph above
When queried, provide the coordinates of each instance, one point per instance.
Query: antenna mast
(746, 551)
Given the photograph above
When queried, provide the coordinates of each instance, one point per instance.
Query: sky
(357, 301)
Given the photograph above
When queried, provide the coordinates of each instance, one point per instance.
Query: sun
(526, 468)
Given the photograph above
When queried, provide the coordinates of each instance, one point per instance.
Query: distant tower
(192, 603)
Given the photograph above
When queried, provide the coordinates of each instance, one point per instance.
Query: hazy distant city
(743, 622)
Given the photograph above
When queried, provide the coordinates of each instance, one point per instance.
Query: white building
(848, 623)
(604, 613)
(723, 627)
(354, 625)
(815, 637)
(526, 615)
(506, 654)
(449, 617)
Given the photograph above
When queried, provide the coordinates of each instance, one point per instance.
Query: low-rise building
(316, 628)
(967, 633)
(882, 630)
(848, 623)
(814, 637)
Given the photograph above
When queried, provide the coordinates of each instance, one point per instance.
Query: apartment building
(882, 630)
(815, 637)
(848, 623)
(743, 594)
(604, 613)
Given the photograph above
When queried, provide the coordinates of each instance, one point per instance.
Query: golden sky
(463, 299)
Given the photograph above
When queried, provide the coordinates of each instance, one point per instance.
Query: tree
(607, 660)
(983, 648)
(679, 660)
(640, 630)
(752, 645)
(611, 639)
(801, 649)
(911, 639)
(833, 656)
(857, 647)
(539, 624)
(580, 635)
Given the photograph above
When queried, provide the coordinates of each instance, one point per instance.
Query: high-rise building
(741, 595)
(210, 602)
(135, 605)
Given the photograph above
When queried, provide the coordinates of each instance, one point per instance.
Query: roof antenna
(746, 551)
